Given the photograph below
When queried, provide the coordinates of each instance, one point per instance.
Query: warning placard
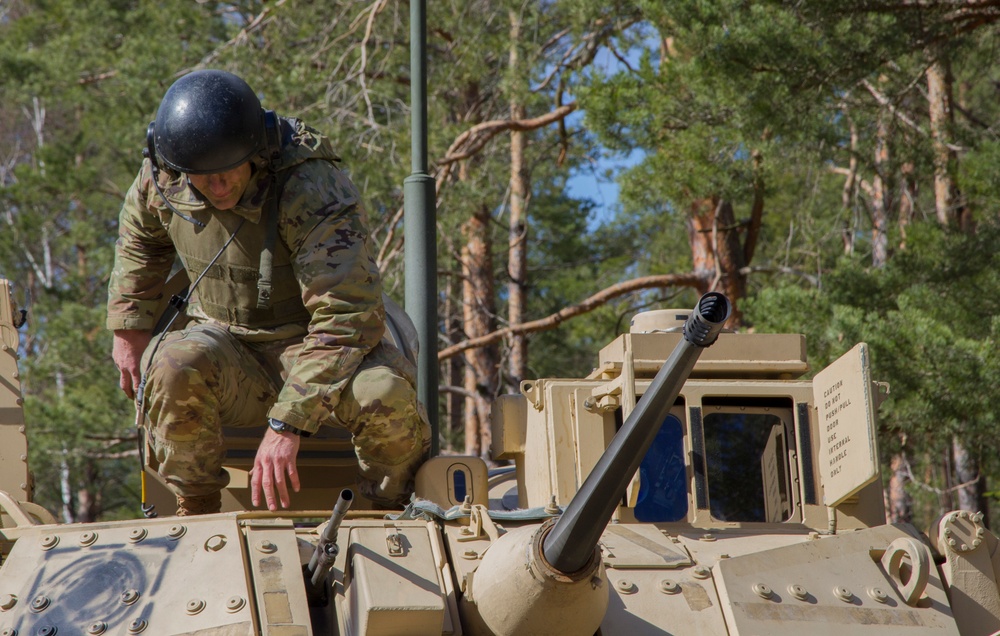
(848, 457)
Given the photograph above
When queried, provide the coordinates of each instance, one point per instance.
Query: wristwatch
(280, 427)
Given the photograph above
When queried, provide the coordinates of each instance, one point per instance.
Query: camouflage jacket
(327, 287)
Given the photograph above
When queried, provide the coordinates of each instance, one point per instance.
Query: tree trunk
(716, 252)
(66, 489)
(453, 367)
(947, 199)
(89, 507)
(899, 506)
(969, 485)
(881, 193)
(479, 311)
(849, 193)
(907, 198)
(520, 187)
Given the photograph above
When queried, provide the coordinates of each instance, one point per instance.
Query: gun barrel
(321, 560)
(569, 546)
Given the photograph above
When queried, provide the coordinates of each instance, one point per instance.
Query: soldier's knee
(381, 388)
(181, 364)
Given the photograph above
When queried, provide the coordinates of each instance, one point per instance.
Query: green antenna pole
(419, 226)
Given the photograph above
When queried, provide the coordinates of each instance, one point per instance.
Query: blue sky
(592, 182)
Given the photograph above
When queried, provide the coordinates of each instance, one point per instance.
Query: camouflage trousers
(204, 378)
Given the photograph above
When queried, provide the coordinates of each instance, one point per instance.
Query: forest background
(830, 166)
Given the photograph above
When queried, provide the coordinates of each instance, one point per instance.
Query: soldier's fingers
(255, 484)
(126, 383)
(293, 475)
(268, 487)
(279, 479)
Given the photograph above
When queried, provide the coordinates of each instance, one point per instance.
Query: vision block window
(663, 477)
(746, 452)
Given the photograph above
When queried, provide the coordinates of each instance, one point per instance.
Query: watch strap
(281, 427)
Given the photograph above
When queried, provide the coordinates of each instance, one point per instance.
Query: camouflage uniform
(312, 355)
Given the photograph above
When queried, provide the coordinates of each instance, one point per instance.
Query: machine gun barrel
(569, 546)
(326, 550)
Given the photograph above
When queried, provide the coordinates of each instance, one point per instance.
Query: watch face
(280, 427)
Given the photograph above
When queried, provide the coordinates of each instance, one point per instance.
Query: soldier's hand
(129, 345)
(275, 459)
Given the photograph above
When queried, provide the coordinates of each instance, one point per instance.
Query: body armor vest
(228, 291)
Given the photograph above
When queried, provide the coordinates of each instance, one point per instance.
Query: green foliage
(81, 83)
(715, 98)
(930, 320)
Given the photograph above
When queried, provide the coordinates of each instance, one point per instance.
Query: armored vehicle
(692, 484)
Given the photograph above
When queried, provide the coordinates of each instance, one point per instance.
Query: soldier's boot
(199, 505)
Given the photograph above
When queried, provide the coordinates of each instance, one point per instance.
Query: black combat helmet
(208, 122)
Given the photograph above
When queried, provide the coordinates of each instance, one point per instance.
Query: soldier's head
(209, 126)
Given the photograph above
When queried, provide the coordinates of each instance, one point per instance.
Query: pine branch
(564, 314)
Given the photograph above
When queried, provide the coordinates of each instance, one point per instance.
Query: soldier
(286, 318)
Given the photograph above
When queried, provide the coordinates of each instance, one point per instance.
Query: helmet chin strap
(150, 153)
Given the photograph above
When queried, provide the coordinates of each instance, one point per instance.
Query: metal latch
(394, 541)
(479, 523)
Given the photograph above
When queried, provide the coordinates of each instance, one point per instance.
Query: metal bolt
(267, 547)
(762, 591)
(7, 601)
(552, 508)
(669, 587)
(195, 605)
(215, 543)
(88, 538)
(843, 594)
(235, 604)
(39, 603)
(130, 596)
(137, 535)
(798, 592)
(137, 626)
(97, 628)
(8, 631)
(708, 537)
(626, 587)
(878, 595)
(470, 554)
(49, 541)
(47, 630)
(702, 572)
(465, 530)
(176, 532)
